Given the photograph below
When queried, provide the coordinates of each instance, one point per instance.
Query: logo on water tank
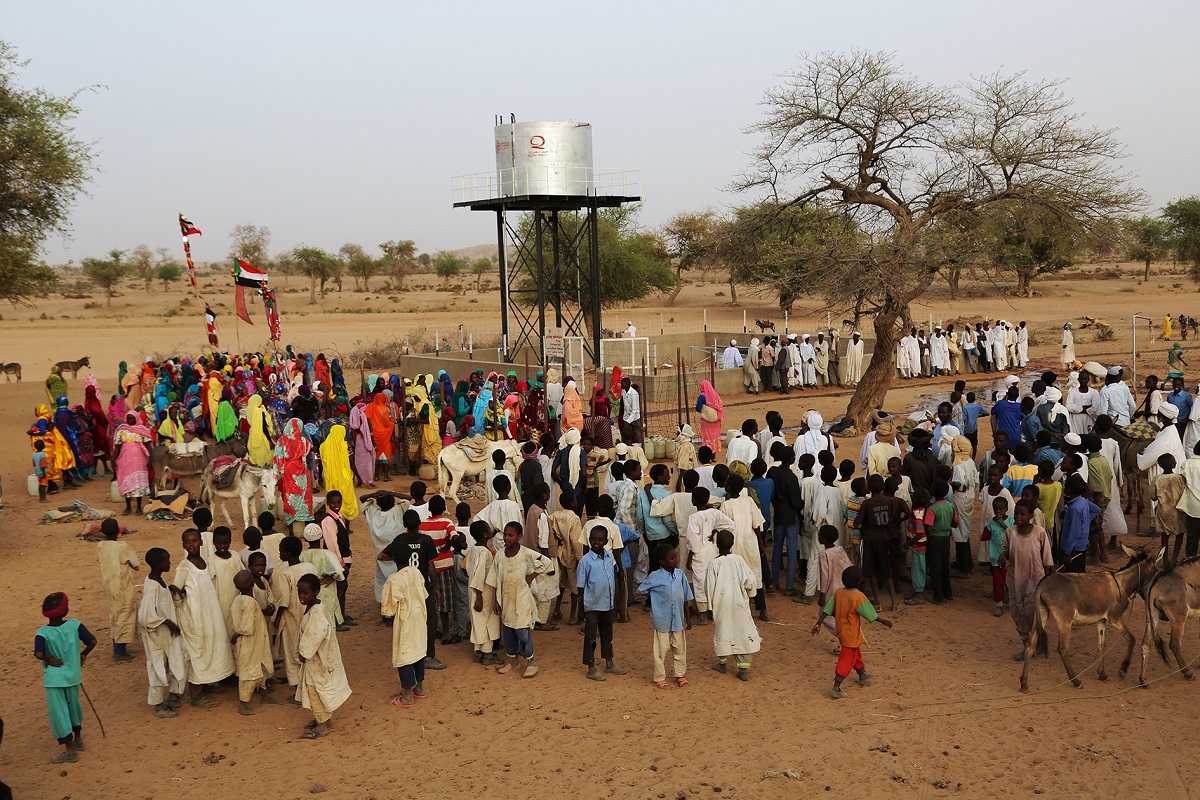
(537, 142)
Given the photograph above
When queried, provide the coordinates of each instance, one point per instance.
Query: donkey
(1094, 598)
(1132, 477)
(248, 482)
(166, 464)
(74, 366)
(1173, 596)
(12, 368)
(764, 325)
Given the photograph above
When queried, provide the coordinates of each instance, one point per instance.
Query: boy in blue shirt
(971, 412)
(669, 593)
(598, 581)
(41, 468)
(1076, 524)
(57, 647)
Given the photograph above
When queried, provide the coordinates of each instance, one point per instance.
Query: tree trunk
(312, 290)
(872, 389)
(732, 291)
(678, 287)
(953, 276)
(1023, 281)
(1146, 277)
(108, 297)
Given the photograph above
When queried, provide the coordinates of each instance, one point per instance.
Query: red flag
(242, 311)
(187, 228)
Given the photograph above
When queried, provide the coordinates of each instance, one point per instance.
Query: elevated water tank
(544, 158)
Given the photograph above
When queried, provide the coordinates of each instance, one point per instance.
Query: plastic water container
(32, 485)
(114, 494)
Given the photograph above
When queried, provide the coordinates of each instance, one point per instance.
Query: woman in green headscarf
(742, 470)
(461, 403)
(227, 421)
(56, 385)
(1175, 362)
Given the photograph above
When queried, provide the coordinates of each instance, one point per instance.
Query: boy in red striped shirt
(440, 528)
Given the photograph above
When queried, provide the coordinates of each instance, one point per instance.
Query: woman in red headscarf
(101, 441)
(291, 464)
(601, 406)
(712, 413)
(379, 416)
(614, 393)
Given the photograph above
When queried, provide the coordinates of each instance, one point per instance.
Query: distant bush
(1104, 333)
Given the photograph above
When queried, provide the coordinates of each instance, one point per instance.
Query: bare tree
(250, 243)
(141, 263)
(689, 238)
(857, 134)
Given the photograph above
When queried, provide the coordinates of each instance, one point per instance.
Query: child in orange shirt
(847, 606)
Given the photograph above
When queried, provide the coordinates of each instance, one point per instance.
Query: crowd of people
(584, 528)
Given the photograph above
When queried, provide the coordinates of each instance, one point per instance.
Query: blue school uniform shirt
(1182, 401)
(40, 467)
(971, 413)
(765, 489)
(62, 642)
(598, 579)
(996, 530)
(1048, 453)
(656, 528)
(668, 593)
(628, 535)
(1077, 519)
(1031, 426)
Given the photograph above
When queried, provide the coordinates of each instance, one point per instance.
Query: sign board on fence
(554, 344)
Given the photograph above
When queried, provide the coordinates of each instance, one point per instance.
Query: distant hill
(482, 251)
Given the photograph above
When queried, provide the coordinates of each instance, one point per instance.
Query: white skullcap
(754, 341)
(1068, 325)
(732, 342)
(856, 333)
(1114, 370)
(1073, 439)
(1011, 380)
(791, 337)
(805, 336)
(312, 532)
(937, 327)
(1169, 410)
(622, 448)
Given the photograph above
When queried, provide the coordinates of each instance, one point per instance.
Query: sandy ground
(942, 717)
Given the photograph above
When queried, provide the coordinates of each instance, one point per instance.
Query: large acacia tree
(43, 168)
(858, 135)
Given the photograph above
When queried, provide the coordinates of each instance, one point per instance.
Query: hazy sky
(344, 122)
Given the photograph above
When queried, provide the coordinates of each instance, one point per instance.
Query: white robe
(731, 358)
(999, 354)
(1068, 348)
(747, 518)
(729, 584)
(700, 528)
(829, 508)
(1022, 346)
(912, 346)
(741, 448)
(166, 658)
(1113, 522)
(808, 357)
(404, 597)
(322, 668)
(903, 362)
(795, 372)
(287, 638)
(205, 636)
(965, 475)
(1117, 402)
(939, 352)
(518, 606)
(1082, 410)
(383, 527)
(854, 361)
(1167, 441)
(485, 624)
(822, 363)
(118, 561)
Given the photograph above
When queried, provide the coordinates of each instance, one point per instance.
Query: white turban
(570, 440)
(1073, 439)
(754, 342)
(733, 342)
(1052, 393)
(1011, 380)
(312, 532)
(805, 337)
(1169, 410)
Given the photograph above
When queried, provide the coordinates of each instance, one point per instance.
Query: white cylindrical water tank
(544, 158)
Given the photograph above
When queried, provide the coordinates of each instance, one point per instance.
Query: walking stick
(83, 688)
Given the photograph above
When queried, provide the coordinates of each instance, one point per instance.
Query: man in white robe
(404, 597)
(166, 659)
(822, 362)
(1113, 522)
(1022, 345)
(939, 352)
(1067, 357)
(1010, 343)
(385, 521)
(205, 637)
(903, 361)
(999, 346)
(323, 687)
(1167, 441)
(795, 372)
(913, 347)
(731, 358)
(808, 358)
(744, 446)
(854, 359)
(700, 529)
(1082, 405)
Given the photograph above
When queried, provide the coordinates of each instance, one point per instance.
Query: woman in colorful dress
(364, 445)
(259, 446)
(710, 430)
(101, 436)
(382, 425)
(295, 486)
(131, 459)
(60, 461)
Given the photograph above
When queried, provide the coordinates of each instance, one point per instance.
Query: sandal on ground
(662, 685)
(395, 701)
(420, 696)
(682, 682)
(311, 734)
(65, 758)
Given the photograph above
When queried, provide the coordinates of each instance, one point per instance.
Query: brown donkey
(1094, 598)
(1173, 596)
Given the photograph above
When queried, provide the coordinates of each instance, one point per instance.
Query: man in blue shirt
(1030, 424)
(1007, 412)
(1077, 523)
(669, 594)
(1180, 398)
(657, 530)
(971, 412)
(597, 573)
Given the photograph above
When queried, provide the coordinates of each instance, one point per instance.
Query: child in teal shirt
(1000, 522)
(57, 647)
(940, 519)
